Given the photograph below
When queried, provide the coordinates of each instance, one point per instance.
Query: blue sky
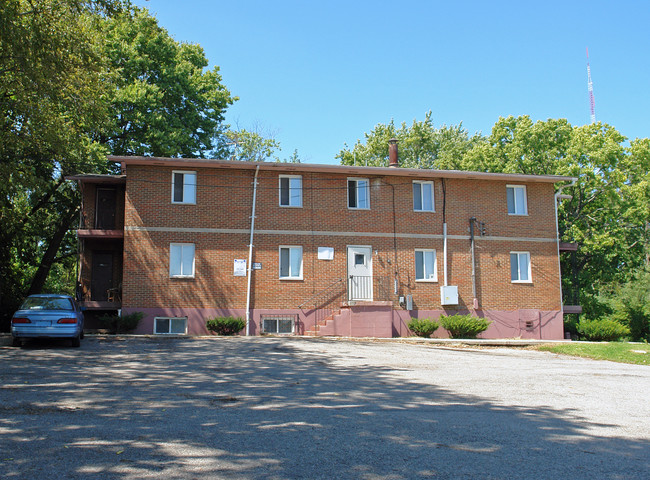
(318, 75)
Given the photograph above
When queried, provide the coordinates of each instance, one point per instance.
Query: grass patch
(622, 352)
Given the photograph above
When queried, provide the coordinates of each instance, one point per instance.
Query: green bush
(602, 330)
(464, 326)
(423, 327)
(121, 324)
(225, 325)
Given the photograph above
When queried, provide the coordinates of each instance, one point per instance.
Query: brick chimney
(393, 158)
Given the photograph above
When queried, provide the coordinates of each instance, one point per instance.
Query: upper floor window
(291, 263)
(183, 187)
(517, 204)
(358, 193)
(425, 265)
(181, 260)
(520, 267)
(290, 191)
(423, 196)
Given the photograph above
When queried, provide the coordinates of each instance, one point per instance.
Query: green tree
(79, 79)
(421, 145)
(52, 94)
(163, 101)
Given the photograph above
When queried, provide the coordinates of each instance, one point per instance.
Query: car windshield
(47, 303)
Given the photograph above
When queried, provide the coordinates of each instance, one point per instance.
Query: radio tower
(590, 88)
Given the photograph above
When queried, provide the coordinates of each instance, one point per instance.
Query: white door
(359, 273)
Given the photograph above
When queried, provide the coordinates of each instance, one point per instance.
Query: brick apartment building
(329, 250)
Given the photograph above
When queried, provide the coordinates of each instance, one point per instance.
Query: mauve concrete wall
(370, 321)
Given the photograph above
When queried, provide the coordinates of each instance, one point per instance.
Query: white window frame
(518, 279)
(155, 324)
(520, 210)
(298, 204)
(433, 203)
(186, 184)
(171, 265)
(424, 251)
(290, 248)
(278, 318)
(356, 193)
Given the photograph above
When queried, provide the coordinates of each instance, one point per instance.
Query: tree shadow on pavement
(247, 408)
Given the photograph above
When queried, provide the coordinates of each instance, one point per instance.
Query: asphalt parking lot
(276, 408)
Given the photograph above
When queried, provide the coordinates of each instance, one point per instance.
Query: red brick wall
(224, 199)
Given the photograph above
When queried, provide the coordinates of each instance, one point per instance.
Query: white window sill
(291, 206)
(183, 203)
(290, 278)
(426, 280)
(356, 208)
(521, 281)
(424, 211)
(181, 276)
(517, 214)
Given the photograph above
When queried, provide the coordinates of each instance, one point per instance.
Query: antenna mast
(590, 89)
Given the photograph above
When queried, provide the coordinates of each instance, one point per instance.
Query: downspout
(250, 257)
(471, 237)
(559, 196)
(444, 230)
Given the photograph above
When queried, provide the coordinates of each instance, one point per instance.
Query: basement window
(170, 326)
(278, 324)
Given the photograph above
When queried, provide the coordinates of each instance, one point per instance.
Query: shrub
(121, 324)
(464, 326)
(225, 325)
(423, 327)
(602, 330)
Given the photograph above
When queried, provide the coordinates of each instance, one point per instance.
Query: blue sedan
(48, 316)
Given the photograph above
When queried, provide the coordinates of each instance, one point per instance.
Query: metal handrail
(322, 292)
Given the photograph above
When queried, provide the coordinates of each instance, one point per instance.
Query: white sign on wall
(325, 253)
(240, 268)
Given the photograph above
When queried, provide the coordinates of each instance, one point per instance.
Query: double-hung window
(358, 193)
(290, 191)
(425, 265)
(423, 196)
(517, 204)
(183, 187)
(520, 267)
(181, 260)
(290, 263)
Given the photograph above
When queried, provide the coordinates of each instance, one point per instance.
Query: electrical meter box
(449, 295)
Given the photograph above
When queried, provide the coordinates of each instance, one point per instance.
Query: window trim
(514, 196)
(176, 244)
(356, 180)
(184, 172)
(435, 265)
(277, 318)
(433, 196)
(155, 323)
(530, 276)
(280, 177)
(300, 276)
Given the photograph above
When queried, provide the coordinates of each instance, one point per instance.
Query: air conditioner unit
(449, 295)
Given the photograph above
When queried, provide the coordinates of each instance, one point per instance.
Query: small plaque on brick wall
(325, 253)
(257, 265)
(240, 268)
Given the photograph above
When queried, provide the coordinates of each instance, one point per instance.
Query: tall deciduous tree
(421, 145)
(79, 79)
(164, 101)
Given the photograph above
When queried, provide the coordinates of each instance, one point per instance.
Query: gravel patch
(276, 408)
